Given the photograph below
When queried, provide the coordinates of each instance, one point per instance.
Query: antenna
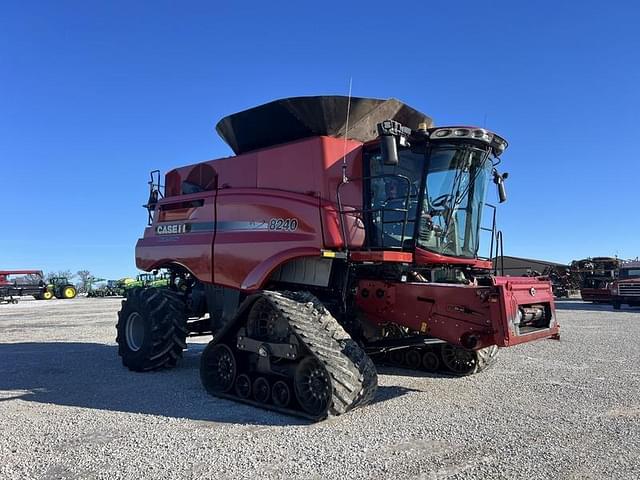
(345, 179)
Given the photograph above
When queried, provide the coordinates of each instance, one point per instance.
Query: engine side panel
(258, 230)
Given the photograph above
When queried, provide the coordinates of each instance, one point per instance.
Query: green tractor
(60, 287)
(92, 289)
(147, 280)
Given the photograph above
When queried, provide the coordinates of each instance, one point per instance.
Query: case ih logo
(173, 229)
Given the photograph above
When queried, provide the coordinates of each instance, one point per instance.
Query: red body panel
(5, 273)
(595, 294)
(261, 209)
(252, 190)
(247, 249)
(453, 312)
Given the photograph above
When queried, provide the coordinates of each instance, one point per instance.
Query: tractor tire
(151, 329)
(69, 292)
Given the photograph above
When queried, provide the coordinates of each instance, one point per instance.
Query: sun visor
(294, 118)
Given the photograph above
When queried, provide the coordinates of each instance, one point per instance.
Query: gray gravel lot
(68, 409)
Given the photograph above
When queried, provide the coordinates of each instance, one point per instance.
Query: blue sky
(94, 95)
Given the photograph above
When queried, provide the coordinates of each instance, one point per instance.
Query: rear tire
(152, 329)
(69, 292)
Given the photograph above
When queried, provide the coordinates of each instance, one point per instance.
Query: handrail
(365, 211)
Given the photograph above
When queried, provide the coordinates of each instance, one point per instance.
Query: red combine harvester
(342, 230)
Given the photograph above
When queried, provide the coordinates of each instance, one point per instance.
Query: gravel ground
(68, 409)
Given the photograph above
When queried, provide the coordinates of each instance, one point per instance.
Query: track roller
(430, 361)
(243, 386)
(413, 359)
(261, 390)
(446, 358)
(281, 394)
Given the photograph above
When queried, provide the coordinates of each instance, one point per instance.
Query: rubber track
(353, 374)
(486, 357)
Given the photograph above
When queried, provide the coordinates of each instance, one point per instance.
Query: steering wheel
(442, 200)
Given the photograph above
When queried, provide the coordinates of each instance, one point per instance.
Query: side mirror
(499, 181)
(502, 192)
(389, 149)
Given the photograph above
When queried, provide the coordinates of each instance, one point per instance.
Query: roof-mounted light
(497, 143)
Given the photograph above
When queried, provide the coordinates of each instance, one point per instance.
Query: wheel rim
(312, 386)
(47, 295)
(243, 386)
(265, 323)
(68, 292)
(459, 360)
(281, 394)
(134, 333)
(218, 368)
(430, 361)
(261, 390)
(413, 359)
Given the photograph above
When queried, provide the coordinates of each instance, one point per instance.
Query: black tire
(617, 305)
(158, 336)
(68, 292)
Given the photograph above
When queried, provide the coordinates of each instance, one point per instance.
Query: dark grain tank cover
(295, 118)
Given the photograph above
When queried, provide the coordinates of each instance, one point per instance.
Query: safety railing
(376, 215)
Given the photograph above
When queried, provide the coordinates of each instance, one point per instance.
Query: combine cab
(344, 230)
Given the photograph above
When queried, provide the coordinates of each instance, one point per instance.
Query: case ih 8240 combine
(341, 231)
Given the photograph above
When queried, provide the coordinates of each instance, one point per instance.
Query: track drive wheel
(312, 386)
(151, 329)
(69, 292)
(462, 362)
(218, 368)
